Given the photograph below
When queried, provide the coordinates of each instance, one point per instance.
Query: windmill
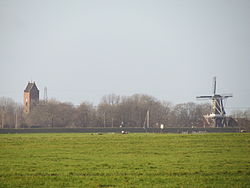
(218, 114)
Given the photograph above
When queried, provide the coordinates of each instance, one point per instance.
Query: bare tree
(8, 112)
(85, 115)
(51, 114)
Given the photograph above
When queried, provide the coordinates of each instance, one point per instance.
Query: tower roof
(30, 86)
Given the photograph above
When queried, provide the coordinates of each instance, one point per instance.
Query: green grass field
(132, 160)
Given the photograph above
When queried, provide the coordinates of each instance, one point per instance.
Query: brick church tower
(30, 97)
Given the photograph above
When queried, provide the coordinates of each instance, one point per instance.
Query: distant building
(30, 97)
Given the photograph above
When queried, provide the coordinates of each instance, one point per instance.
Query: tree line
(112, 111)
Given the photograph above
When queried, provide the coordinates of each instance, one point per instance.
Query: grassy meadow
(132, 160)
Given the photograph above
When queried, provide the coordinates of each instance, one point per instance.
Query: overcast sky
(82, 50)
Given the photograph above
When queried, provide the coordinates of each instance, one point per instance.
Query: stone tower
(30, 97)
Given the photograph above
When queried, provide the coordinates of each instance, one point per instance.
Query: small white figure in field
(162, 126)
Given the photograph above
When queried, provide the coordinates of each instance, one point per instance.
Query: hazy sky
(82, 50)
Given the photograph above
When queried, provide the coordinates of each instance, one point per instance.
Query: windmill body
(218, 115)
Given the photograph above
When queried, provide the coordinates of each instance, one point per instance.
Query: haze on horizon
(82, 50)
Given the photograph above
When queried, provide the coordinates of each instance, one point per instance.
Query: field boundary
(119, 130)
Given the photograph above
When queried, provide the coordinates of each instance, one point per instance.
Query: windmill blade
(226, 95)
(204, 97)
(214, 85)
